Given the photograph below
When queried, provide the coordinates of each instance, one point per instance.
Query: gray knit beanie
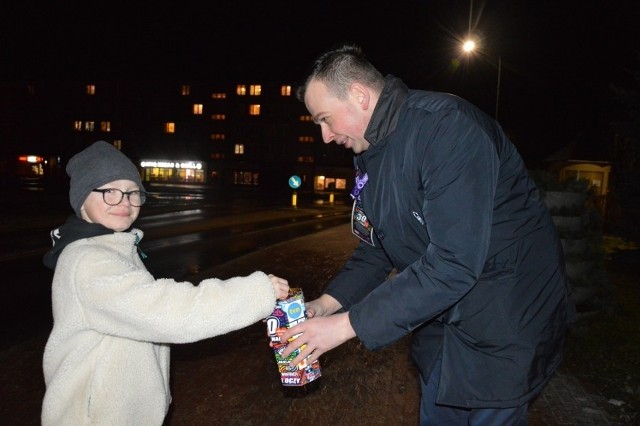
(96, 165)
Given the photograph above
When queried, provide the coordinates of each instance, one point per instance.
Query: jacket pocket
(483, 314)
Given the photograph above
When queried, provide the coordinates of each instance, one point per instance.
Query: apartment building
(233, 135)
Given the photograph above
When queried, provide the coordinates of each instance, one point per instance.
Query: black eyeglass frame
(143, 196)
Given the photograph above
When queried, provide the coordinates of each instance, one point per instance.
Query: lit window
(306, 117)
(306, 139)
(169, 127)
(254, 109)
(185, 90)
(219, 96)
(77, 126)
(34, 164)
(91, 89)
(89, 126)
(241, 90)
(217, 136)
(105, 126)
(218, 116)
(118, 144)
(255, 90)
(197, 109)
(323, 183)
(217, 156)
(238, 149)
(246, 178)
(285, 90)
(305, 159)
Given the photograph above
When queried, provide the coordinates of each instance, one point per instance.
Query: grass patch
(603, 351)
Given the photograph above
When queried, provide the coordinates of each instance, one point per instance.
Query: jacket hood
(74, 229)
(385, 116)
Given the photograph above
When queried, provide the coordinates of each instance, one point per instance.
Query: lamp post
(468, 47)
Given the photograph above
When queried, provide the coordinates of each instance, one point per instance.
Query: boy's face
(119, 217)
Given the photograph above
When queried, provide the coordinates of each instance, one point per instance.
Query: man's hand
(322, 306)
(320, 335)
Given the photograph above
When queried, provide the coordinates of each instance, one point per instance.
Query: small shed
(568, 163)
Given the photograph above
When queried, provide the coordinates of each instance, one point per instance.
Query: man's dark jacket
(479, 271)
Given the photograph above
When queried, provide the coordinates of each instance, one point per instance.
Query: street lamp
(468, 47)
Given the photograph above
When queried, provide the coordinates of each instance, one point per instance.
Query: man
(443, 197)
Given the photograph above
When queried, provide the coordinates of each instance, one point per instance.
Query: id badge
(360, 225)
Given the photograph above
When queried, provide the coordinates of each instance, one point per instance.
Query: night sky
(558, 57)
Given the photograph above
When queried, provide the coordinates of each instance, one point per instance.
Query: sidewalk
(232, 379)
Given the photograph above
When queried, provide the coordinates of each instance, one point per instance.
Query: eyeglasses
(113, 196)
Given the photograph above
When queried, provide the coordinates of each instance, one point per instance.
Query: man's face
(343, 121)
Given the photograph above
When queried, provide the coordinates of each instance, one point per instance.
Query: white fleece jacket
(107, 359)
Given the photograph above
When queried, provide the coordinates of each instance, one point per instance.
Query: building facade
(221, 135)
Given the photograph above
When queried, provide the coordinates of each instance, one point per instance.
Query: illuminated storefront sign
(31, 159)
(172, 164)
(173, 171)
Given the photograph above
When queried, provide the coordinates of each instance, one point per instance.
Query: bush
(547, 181)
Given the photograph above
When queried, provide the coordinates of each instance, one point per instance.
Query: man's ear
(360, 94)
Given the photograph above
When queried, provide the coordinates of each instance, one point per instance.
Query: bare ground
(233, 380)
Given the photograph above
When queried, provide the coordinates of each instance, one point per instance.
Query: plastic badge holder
(288, 313)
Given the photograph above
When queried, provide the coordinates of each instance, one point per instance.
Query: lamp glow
(469, 46)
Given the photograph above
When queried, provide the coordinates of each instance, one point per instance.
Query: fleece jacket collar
(74, 229)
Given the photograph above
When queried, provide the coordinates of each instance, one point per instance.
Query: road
(179, 244)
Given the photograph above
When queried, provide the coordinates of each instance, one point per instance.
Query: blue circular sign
(295, 181)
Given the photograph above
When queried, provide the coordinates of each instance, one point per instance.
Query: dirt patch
(237, 383)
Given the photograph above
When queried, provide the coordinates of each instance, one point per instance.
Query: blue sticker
(295, 311)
